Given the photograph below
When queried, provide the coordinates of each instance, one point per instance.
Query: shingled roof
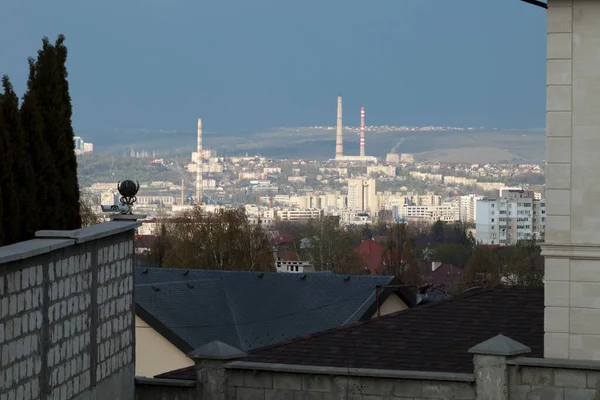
(247, 310)
(434, 337)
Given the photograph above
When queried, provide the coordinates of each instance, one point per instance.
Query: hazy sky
(244, 64)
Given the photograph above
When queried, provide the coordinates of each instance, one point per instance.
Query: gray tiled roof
(248, 310)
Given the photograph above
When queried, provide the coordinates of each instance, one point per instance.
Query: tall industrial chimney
(339, 139)
(362, 131)
(199, 165)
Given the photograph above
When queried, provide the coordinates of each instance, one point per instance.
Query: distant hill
(475, 145)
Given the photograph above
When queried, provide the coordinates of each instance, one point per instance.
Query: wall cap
(362, 372)
(216, 350)
(93, 232)
(555, 363)
(142, 380)
(32, 248)
(500, 345)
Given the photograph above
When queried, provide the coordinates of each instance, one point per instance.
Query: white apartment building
(298, 215)
(467, 206)
(362, 195)
(515, 216)
(447, 212)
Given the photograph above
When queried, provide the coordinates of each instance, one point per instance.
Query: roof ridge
(418, 308)
(233, 316)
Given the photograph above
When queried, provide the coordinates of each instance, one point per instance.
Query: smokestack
(339, 139)
(182, 196)
(199, 165)
(362, 131)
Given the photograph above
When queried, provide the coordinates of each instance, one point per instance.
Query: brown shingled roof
(432, 337)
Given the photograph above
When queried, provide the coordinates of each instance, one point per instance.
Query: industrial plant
(339, 139)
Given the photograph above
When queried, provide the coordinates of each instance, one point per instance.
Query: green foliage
(3, 176)
(224, 240)
(437, 231)
(38, 169)
(110, 168)
(10, 201)
(521, 264)
(453, 253)
(45, 179)
(23, 187)
(49, 82)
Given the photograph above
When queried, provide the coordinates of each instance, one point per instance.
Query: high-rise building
(467, 207)
(78, 143)
(506, 220)
(362, 195)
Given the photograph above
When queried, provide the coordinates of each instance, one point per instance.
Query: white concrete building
(506, 220)
(362, 195)
(447, 212)
(467, 207)
(298, 215)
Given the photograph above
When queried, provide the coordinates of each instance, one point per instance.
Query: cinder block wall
(547, 381)
(67, 313)
(263, 385)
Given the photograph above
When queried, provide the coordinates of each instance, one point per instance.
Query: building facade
(506, 220)
(362, 195)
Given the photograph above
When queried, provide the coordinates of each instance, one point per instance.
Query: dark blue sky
(243, 64)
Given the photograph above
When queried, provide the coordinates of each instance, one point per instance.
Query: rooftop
(247, 310)
(433, 337)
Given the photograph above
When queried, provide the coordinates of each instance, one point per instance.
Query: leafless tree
(223, 240)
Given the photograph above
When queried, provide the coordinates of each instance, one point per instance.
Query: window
(492, 219)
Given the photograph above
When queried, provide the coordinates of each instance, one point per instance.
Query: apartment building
(447, 212)
(467, 206)
(362, 195)
(517, 215)
(298, 215)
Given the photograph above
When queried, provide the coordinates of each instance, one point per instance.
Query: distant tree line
(226, 240)
(38, 167)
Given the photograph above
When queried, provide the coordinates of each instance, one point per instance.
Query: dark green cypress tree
(69, 167)
(47, 199)
(25, 209)
(8, 222)
(52, 91)
(2, 166)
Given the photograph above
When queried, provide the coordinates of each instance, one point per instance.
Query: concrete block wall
(547, 379)
(266, 385)
(115, 301)
(21, 336)
(69, 320)
(66, 315)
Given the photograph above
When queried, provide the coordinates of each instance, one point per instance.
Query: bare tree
(87, 204)
(330, 247)
(223, 240)
(399, 257)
